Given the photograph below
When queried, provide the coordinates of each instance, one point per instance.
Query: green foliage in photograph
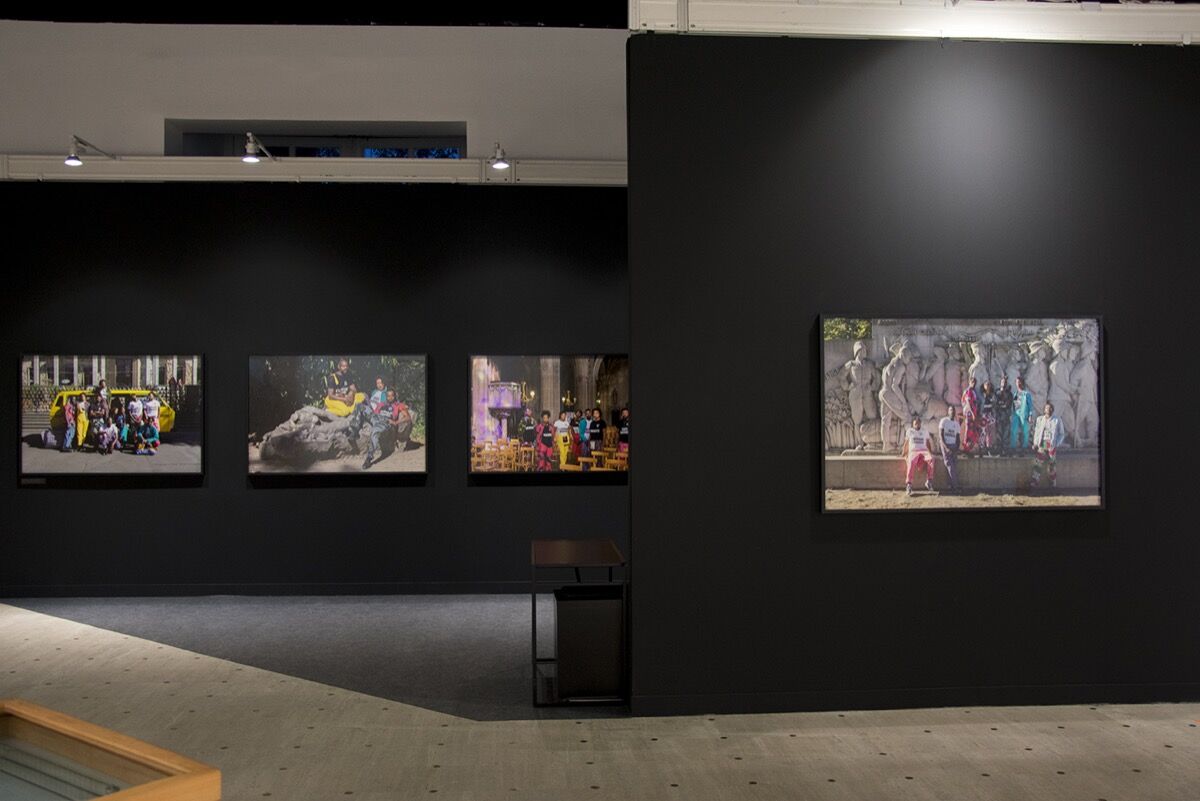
(846, 328)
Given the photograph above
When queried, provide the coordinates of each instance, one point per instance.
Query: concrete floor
(274, 736)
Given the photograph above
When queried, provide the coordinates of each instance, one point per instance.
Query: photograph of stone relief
(550, 414)
(95, 414)
(337, 414)
(961, 413)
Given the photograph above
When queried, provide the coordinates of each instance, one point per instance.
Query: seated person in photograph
(70, 414)
(379, 394)
(106, 438)
(150, 408)
(1048, 435)
(544, 431)
(918, 453)
(382, 415)
(950, 434)
(146, 439)
(596, 431)
(133, 412)
(119, 420)
(623, 431)
(341, 390)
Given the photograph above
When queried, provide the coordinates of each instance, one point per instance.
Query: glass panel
(385, 152)
(318, 152)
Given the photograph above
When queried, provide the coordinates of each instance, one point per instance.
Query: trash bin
(589, 641)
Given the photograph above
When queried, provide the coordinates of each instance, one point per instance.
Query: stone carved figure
(978, 369)
(1001, 354)
(1016, 365)
(839, 428)
(893, 396)
(1085, 380)
(1037, 374)
(935, 372)
(956, 372)
(915, 369)
(860, 381)
(1060, 392)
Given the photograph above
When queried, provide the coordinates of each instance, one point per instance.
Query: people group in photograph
(570, 437)
(97, 423)
(993, 423)
(378, 411)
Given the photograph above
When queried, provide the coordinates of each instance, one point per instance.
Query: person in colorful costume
(918, 453)
(1022, 417)
(1048, 434)
(544, 432)
(972, 420)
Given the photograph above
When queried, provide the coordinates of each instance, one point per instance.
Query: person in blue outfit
(1022, 416)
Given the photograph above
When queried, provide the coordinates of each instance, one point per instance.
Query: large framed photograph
(961, 413)
(341, 413)
(550, 414)
(100, 414)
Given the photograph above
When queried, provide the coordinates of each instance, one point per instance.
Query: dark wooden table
(576, 555)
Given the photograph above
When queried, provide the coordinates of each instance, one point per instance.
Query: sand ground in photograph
(411, 460)
(896, 499)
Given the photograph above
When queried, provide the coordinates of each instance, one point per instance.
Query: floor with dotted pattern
(275, 736)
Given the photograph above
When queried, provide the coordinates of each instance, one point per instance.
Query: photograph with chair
(550, 414)
(94, 414)
(961, 413)
(341, 413)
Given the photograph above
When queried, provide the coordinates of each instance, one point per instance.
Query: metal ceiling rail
(1018, 20)
(530, 172)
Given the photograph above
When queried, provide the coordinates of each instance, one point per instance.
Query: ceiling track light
(254, 148)
(79, 145)
(499, 161)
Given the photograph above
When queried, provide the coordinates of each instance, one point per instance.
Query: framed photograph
(961, 413)
(100, 414)
(339, 413)
(550, 414)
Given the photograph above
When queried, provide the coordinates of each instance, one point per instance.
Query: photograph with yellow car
(90, 413)
(337, 414)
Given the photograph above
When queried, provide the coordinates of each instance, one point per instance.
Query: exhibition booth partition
(901, 320)
(834, 237)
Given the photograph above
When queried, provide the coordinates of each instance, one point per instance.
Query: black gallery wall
(231, 270)
(774, 180)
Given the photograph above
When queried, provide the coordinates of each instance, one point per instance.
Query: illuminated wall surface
(775, 180)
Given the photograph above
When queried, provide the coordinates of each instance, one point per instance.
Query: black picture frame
(1101, 400)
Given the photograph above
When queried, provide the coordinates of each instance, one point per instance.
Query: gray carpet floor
(466, 655)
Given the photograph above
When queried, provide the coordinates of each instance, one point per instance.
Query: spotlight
(498, 160)
(78, 144)
(253, 148)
